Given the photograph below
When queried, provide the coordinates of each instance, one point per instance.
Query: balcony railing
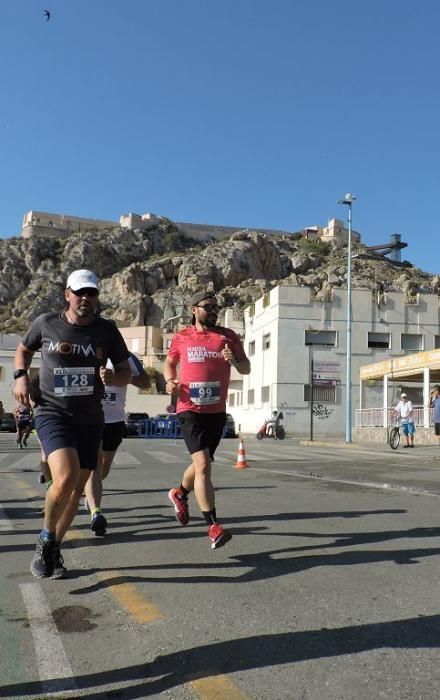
(382, 417)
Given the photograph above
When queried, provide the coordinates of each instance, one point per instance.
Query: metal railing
(382, 417)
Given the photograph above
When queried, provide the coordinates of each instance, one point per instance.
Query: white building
(288, 329)
(8, 346)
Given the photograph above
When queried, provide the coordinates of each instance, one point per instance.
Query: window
(168, 343)
(326, 338)
(436, 343)
(323, 394)
(265, 393)
(411, 341)
(252, 310)
(251, 348)
(231, 399)
(266, 341)
(250, 396)
(266, 300)
(2, 371)
(379, 340)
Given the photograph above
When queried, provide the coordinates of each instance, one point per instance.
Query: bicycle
(394, 437)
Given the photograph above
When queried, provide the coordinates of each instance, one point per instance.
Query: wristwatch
(19, 373)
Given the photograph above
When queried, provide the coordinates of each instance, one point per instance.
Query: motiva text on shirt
(65, 348)
(199, 353)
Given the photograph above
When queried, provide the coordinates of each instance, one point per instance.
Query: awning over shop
(407, 366)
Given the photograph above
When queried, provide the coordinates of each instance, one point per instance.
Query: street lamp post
(348, 201)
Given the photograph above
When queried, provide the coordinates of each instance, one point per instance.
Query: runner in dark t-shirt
(71, 357)
(75, 346)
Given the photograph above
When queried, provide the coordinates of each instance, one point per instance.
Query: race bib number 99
(203, 393)
(73, 381)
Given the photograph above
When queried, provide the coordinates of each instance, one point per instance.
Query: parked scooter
(271, 428)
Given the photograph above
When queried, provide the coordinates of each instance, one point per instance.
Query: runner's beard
(211, 321)
(85, 311)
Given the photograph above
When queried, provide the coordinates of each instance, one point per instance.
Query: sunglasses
(85, 292)
(208, 307)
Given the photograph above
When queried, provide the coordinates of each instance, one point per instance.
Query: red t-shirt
(204, 374)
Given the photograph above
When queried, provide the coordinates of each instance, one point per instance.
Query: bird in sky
(47, 15)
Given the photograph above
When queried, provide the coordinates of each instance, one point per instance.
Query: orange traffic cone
(241, 456)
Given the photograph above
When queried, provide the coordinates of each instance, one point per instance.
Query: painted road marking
(5, 456)
(123, 457)
(217, 688)
(5, 523)
(165, 457)
(22, 484)
(51, 657)
(352, 482)
(139, 606)
(32, 459)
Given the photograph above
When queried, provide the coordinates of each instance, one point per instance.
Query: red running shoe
(218, 535)
(180, 506)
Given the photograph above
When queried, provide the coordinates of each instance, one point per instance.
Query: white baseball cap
(403, 396)
(80, 279)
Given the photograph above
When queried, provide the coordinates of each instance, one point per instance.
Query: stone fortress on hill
(40, 224)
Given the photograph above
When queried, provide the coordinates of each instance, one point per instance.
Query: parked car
(7, 424)
(229, 430)
(133, 421)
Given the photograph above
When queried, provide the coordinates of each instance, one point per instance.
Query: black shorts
(113, 435)
(437, 428)
(56, 432)
(202, 430)
(23, 425)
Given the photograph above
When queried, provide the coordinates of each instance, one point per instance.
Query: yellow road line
(128, 595)
(217, 688)
(22, 484)
(138, 605)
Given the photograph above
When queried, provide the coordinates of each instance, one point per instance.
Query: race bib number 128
(73, 381)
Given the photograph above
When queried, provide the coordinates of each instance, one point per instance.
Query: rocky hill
(147, 277)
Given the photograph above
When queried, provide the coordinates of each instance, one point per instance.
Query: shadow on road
(177, 668)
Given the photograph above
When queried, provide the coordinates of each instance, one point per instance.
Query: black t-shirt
(70, 360)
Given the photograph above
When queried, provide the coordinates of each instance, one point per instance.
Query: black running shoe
(41, 478)
(59, 570)
(42, 565)
(99, 524)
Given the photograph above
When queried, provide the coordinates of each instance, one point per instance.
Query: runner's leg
(197, 478)
(71, 506)
(64, 468)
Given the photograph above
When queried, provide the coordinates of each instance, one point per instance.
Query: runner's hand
(228, 355)
(171, 386)
(106, 375)
(22, 389)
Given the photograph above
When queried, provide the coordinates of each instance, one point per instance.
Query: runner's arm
(242, 365)
(119, 376)
(170, 374)
(23, 359)
(142, 381)
(140, 378)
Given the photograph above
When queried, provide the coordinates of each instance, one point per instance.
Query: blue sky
(238, 112)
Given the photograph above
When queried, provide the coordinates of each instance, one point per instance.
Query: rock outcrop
(147, 277)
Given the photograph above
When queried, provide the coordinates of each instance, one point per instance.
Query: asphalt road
(327, 590)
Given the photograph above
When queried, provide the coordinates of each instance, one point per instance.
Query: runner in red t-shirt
(205, 353)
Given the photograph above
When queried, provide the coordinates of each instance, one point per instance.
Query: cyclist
(404, 411)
